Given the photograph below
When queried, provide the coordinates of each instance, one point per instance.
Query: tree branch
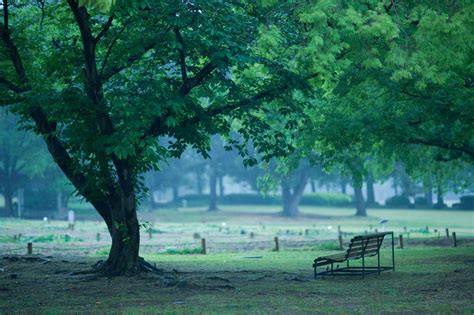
(465, 148)
(254, 99)
(182, 55)
(104, 29)
(11, 48)
(191, 83)
(109, 49)
(130, 60)
(11, 86)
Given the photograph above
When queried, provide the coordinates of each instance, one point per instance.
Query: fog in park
(236, 157)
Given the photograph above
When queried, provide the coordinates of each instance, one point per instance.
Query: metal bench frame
(360, 247)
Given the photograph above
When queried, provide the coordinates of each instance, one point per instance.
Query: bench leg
(363, 266)
(378, 262)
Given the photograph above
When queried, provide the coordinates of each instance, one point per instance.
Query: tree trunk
(439, 198)
(313, 185)
(370, 190)
(8, 196)
(199, 185)
(429, 194)
(213, 191)
(288, 207)
(343, 187)
(221, 186)
(291, 200)
(123, 227)
(361, 210)
(175, 193)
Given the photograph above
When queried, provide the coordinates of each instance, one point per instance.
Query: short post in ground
(400, 238)
(203, 246)
(277, 245)
(455, 241)
(29, 248)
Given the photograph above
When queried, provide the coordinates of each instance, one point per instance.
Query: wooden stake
(29, 248)
(341, 246)
(447, 233)
(405, 229)
(203, 245)
(277, 246)
(455, 241)
(98, 237)
(400, 238)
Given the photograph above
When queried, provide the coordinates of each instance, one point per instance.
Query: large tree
(100, 87)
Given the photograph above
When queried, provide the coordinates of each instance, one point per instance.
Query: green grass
(236, 278)
(426, 280)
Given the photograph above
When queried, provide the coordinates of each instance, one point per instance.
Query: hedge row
(314, 199)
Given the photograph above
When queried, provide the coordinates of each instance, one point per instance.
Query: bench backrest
(365, 245)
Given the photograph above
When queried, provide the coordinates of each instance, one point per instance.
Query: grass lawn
(241, 279)
(426, 280)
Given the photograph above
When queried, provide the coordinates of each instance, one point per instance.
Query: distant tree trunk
(175, 193)
(199, 182)
(313, 185)
(439, 198)
(343, 187)
(221, 186)
(361, 210)
(8, 196)
(291, 199)
(213, 191)
(429, 194)
(370, 190)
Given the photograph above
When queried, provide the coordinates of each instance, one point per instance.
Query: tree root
(104, 269)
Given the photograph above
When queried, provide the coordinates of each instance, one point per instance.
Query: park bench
(360, 247)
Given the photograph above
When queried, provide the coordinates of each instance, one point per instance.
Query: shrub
(184, 251)
(248, 199)
(421, 201)
(326, 199)
(467, 202)
(398, 201)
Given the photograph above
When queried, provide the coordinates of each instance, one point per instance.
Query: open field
(431, 276)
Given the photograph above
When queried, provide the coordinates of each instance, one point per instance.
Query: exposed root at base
(104, 269)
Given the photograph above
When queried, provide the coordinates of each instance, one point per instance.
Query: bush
(184, 251)
(326, 199)
(467, 202)
(249, 199)
(421, 201)
(398, 201)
